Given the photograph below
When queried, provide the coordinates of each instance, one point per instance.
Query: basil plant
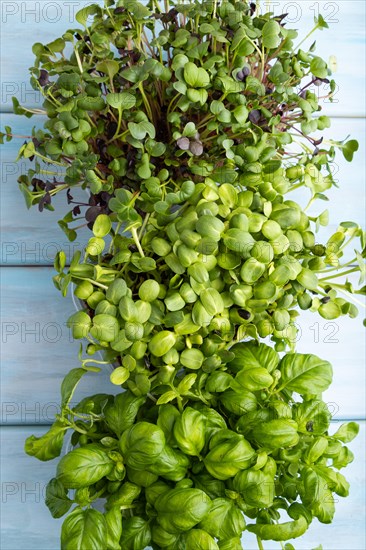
(189, 126)
(199, 475)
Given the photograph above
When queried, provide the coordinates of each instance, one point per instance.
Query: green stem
(306, 37)
(353, 270)
(260, 545)
(49, 161)
(338, 267)
(91, 281)
(143, 227)
(137, 242)
(80, 65)
(146, 102)
(350, 296)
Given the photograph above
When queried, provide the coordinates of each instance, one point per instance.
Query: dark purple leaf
(254, 116)
(183, 143)
(43, 78)
(92, 213)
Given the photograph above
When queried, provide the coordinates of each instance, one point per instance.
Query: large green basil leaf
(84, 466)
(231, 544)
(312, 416)
(224, 520)
(347, 432)
(124, 496)
(162, 538)
(280, 531)
(181, 509)
(189, 431)
(197, 538)
(84, 529)
(276, 434)
(142, 444)
(121, 414)
(229, 453)
(56, 499)
(317, 496)
(238, 403)
(114, 528)
(49, 445)
(254, 379)
(170, 464)
(252, 354)
(256, 487)
(166, 419)
(136, 534)
(305, 373)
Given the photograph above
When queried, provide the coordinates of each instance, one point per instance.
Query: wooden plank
(30, 237)
(26, 522)
(38, 351)
(37, 348)
(25, 22)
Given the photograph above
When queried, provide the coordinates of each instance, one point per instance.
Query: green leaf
(347, 432)
(82, 15)
(189, 431)
(84, 529)
(253, 355)
(49, 445)
(114, 528)
(102, 225)
(136, 534)
(119, 376)
(271, 35)
(69, 384)
(241, 114)
(84, 466)
(224, 520)
(349, 148)
(56, 498)
(122, 100)
(56, 46)
(108, 66)
(141, 129)
(196, 77)
(305, 373)
(175, 518)
(120, 415)
(318, 67)
(167, 397)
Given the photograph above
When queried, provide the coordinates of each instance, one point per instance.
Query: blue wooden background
(37, 349)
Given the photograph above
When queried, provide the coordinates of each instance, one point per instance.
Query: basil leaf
(49, 445)
(84, 529)
(252, 354)
(84, 466)
(305, 373)
(56, 499)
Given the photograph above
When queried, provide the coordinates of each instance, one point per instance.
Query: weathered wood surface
(29, 21)
(37, 348)
(28, 525)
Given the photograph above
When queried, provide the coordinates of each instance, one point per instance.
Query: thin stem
(306, 37)
(260, 545)
(146, 102)
(353, 270)
(137, 242)
(92, 282)
(80, 65)
(143, 227)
